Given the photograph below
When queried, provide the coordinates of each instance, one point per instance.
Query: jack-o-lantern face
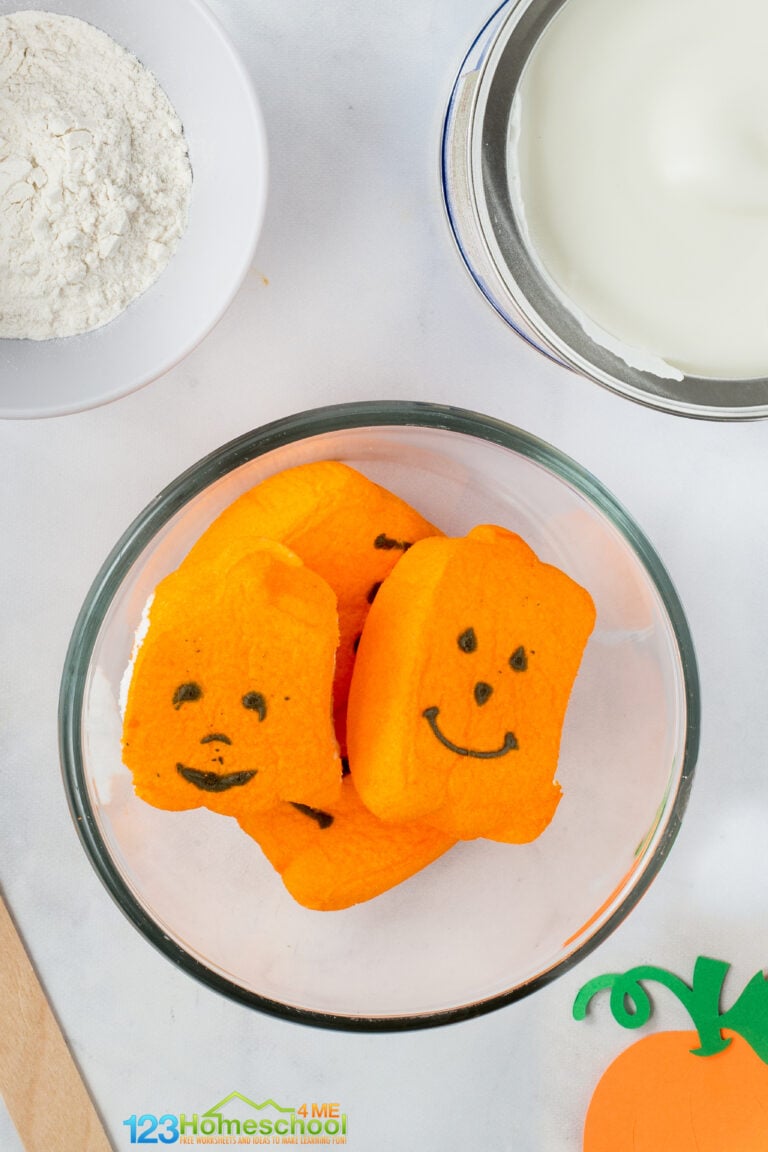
(481, 693)
(229, 705)
(344, 527)
(218, 746)
(461, 685)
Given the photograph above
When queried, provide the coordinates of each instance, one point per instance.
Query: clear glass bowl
(487, 922)
(476, 191)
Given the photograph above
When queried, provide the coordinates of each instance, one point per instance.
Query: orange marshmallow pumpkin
(461, 684)
(349, 530)
(229, 702)
(332, 858)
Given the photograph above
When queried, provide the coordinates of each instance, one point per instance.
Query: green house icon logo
(238, 1104)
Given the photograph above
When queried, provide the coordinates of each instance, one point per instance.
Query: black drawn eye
(518, 661)
(186, 694)
(387, 543)
(467, 641)
(255, 702)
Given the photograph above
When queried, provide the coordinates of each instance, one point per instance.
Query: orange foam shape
(658, 1097)
(334, 858)
(229, 703)
(461, 685)
(349, 530)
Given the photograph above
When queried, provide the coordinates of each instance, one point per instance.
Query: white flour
(94, 177)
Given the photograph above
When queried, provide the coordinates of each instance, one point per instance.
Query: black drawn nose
(216, 738)
(482, 692)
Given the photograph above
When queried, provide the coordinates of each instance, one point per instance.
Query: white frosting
(138, 640)
(639, 170)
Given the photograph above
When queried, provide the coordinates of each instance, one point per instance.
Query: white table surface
(357, 293)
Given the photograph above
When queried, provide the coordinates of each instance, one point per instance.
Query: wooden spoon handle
(39, 1080)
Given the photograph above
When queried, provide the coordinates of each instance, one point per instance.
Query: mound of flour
(95, 177)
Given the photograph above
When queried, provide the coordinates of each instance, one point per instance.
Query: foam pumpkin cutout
(461, 685)
(696, 1091)
(349, 530)
(229, 702)
(331, 859)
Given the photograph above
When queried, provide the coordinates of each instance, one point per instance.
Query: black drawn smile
(509, 744)
(214, 781)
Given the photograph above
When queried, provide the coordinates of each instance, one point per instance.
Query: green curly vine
(631, 1004)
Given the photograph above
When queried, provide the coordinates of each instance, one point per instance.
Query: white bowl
(195, 63)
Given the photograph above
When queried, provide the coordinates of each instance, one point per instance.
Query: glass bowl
(476, 172)
(185, 47)
(487, 922)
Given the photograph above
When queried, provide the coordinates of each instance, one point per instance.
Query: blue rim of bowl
(340, 417)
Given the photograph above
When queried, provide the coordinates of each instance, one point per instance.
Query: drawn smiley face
(481, 693)
(461, 685)
(229, 705)
(217, 745)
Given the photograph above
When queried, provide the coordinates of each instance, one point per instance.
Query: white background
(357, 293)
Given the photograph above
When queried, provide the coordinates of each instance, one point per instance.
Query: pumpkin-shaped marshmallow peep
(332, 858)
(700, 1091)
(229, 701)
(461, 684)
(349, 530)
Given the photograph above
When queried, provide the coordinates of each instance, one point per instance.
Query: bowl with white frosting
(605, 173)
(121, 125)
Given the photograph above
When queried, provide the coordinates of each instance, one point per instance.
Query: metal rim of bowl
(484, 227)
(238, 452)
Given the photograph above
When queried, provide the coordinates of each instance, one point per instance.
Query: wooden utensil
(39, 1080)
